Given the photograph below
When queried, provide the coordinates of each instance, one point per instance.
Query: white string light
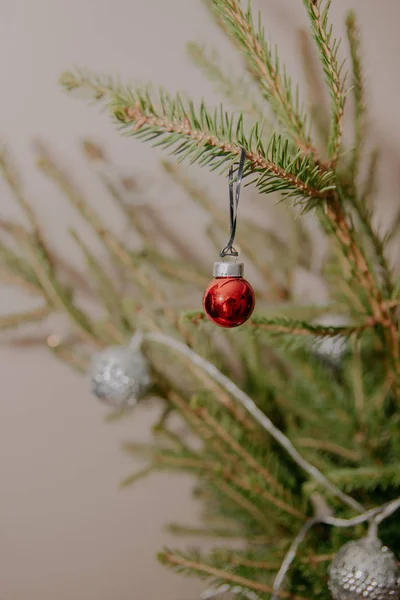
(258, 415)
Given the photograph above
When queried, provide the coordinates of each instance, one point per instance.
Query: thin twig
(358, 92)
(378, 242)
(13, 180)
(292, 327)
(235, 89)
(14, 320)
(316, 86)
(174, 559)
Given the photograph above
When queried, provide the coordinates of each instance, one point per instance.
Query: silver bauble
(364, 569)
(331, 349)
(120, 375)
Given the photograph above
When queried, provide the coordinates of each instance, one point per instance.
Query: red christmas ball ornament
(229, 300)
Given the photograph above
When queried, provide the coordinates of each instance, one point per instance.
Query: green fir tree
(298, 421)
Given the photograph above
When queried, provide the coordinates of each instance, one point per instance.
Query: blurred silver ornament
(364, 569)
(331, 349)
(120, 375)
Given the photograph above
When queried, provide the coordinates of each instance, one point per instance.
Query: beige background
(66, 530)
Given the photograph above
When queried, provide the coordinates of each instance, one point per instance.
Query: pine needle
(328, 47)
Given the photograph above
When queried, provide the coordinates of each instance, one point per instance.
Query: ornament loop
(233, 256)
(229, 250)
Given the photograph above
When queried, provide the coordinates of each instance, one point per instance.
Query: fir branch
(377, 400)
(179, 562)
(353, 251)
(234, 488)
(226, 487)
(113, 334)
(252, 463)
(110, 296)
(173, 269)
(293, 407)
(214, 532)
(366, 478)
(16, 269)
(316, 96)
(242, 501)
(12, 178)
(394, 227)
(214, 470)
(328, 49)
(58, 296)
(262, 419)
(357, 384)
(117, 250)
(378, 242)
(20, 272)
(213, 139)
(17, 280)
(14, 320)
(256, 489)
(23, 267)
(251, 466)
(328, 446)
(132, 479)
(302, 328)
(75, 277)
(143, 218)
(67, 354)
(237, 559)
(49, 167)
(370, 184)
(235, 473)
(290, 327)
(26, 341)
(313, 390)
(358, 92)
(342, 228)
(235, 89)
(264, 65)
(188, 463)
(223, 398)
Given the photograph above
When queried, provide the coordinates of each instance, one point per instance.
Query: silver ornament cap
(120, 375)
(228, 269)
(364, 569)
(331, 349)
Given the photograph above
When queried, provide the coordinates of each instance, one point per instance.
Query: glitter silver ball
(364, 569)
(120, 376)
